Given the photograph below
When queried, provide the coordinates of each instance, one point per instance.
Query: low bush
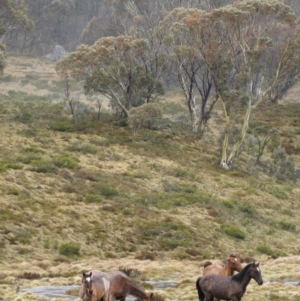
(65, 160)
(233, 231)
(107, 190)
(287, 226)
(44, 166)
(264, 249)
(69, 249)
(84, 148)
(93, 198)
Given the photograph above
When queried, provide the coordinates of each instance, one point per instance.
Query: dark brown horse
(96, 286)
(233, 263)
(228, 287)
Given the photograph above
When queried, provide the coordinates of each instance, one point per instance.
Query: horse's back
(215, 285)
(212, 269)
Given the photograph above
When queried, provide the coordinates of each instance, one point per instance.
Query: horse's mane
(239, 276)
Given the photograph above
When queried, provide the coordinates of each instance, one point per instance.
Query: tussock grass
(160, 201)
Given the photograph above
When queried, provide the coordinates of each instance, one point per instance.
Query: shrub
(229, 204)
(34, 150)
(287, 226)
(144, 116)
(44, 166)
(107, 190)
(4, 166)
(247, 209)
(29, 158)
(65, 160)
(69, 249)
(93, 198)
(84, 148)
(61, 126)
(264, 249)
(233, 231)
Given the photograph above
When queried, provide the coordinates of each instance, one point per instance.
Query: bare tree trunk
(243, 133)
(223, 162)
(191, 102)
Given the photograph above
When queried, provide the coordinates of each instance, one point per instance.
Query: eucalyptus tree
(116, 67)
(192, 71)
(251, 48)
(13, 15)
(56, 22)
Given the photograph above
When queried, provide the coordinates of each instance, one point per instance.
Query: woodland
(238, 55)
(167, 135)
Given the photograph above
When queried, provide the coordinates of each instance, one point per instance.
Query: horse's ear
(90, 274)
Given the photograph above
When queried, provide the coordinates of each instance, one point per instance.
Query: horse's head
(234, 262)
(150, 297)
(256, 273)
(87, 282)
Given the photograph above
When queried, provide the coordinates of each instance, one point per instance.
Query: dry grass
(163, 194)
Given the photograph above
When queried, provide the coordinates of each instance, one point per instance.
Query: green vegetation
(87, 176)
(69, 248)
(233, 231)
(270, 252)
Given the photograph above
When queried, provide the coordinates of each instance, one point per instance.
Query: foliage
(117, 68)
(13, 14)
(265, 249)
(287, 226)
(168, 234)
(244, 79)
(44, 165)
(144, 116)
(84, 148)
(93, 198)
(233, 231)
(69, 248)
(106, 190)
(65, 160)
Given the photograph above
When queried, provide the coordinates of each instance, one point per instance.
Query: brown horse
(228, 287)
(96, 286)
(233, 263)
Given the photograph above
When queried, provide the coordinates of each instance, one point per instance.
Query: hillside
(86, 195)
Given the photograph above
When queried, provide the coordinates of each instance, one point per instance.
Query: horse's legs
(110, 297)
(209, 297)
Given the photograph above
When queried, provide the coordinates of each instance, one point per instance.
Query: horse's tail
(200, 292)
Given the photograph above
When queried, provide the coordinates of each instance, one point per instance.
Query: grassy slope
(160, 196)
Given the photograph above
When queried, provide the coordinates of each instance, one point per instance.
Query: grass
(160, 197)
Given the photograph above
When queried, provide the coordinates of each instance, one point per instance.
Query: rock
(58, 53)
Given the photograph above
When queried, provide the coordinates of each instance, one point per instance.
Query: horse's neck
(245, 280)
(227, 270)
(134, 290)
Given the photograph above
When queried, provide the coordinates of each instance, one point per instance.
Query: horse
(233, 263)
(97, 285)
(228, 287)
(92, 290)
